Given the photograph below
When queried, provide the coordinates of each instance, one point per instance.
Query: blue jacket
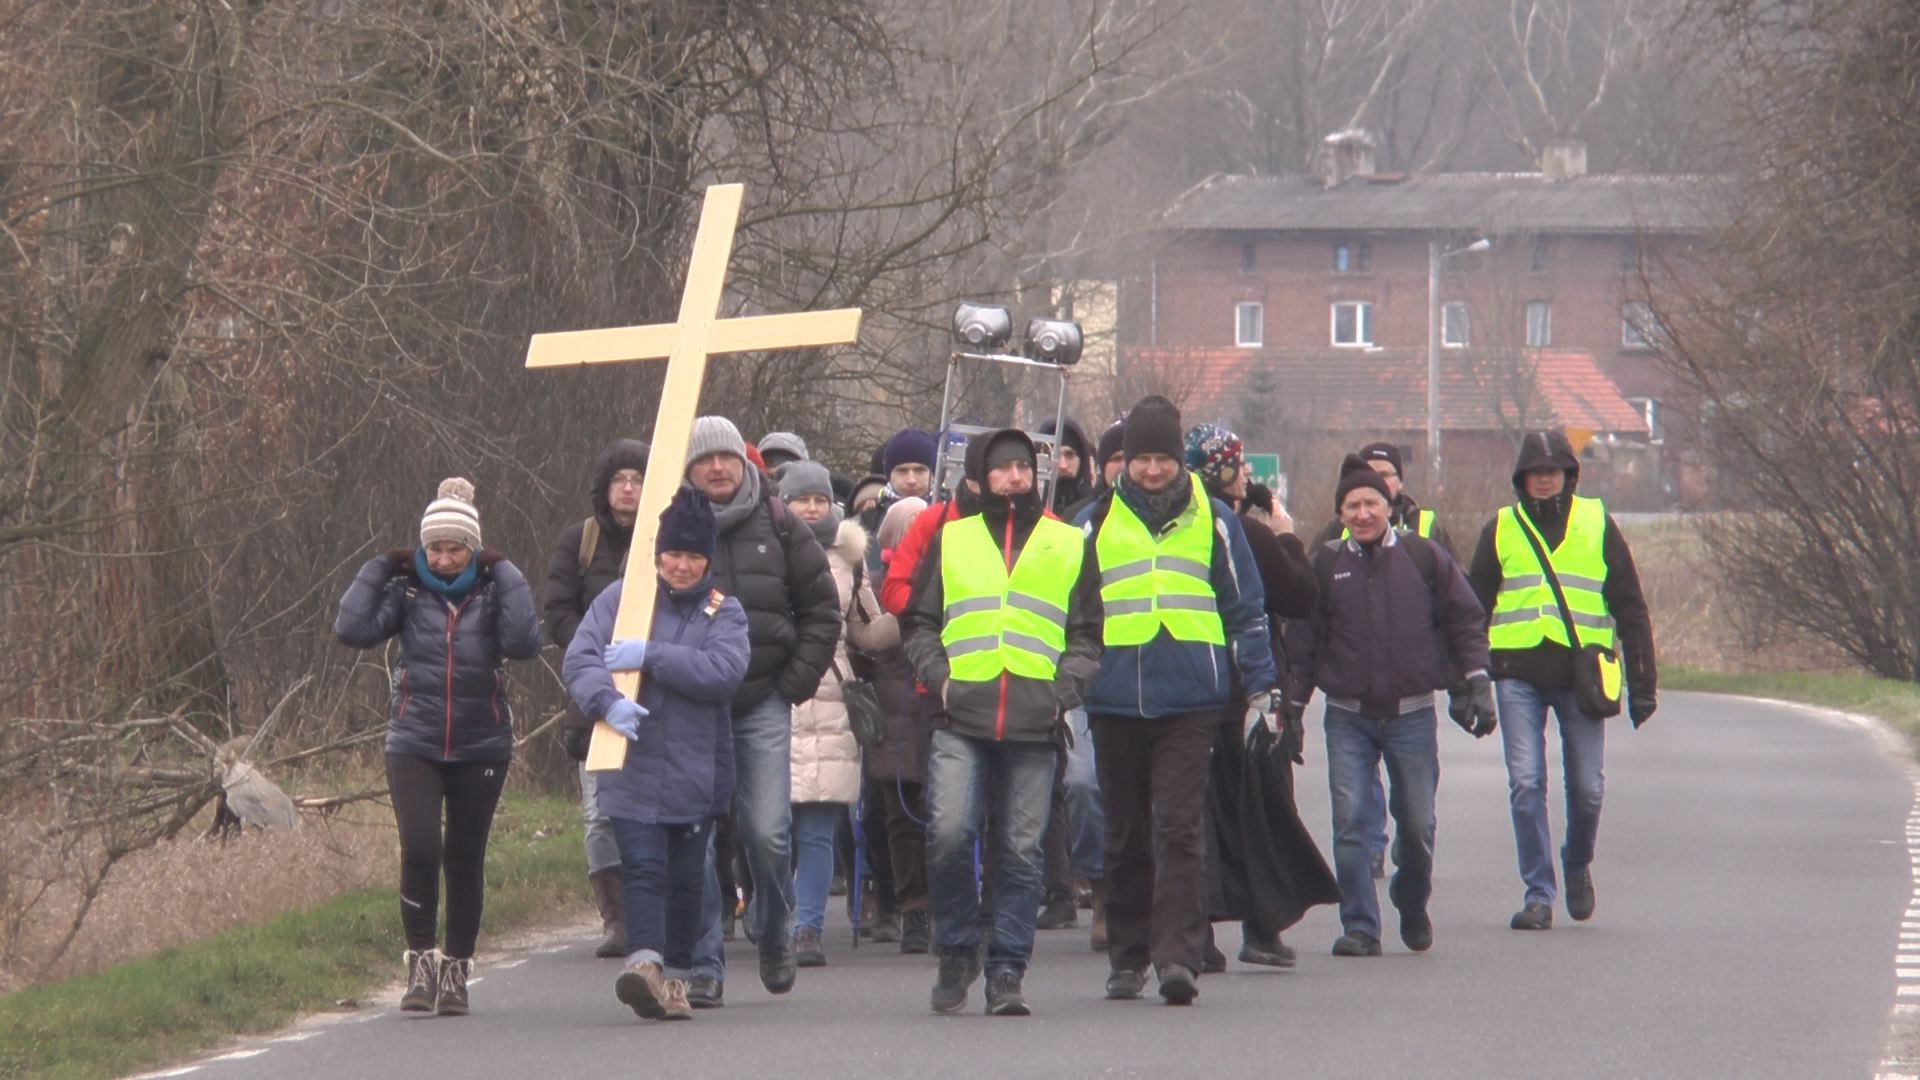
(1165, 677)
(449, 701)
(680, 770)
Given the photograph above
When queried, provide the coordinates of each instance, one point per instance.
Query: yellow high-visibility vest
(1524, 611)
(1147, 585)
(1000, 622)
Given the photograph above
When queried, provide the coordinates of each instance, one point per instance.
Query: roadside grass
(148, 1012)
(1897, 703)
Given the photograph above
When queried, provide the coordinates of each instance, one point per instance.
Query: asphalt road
(1752, 879)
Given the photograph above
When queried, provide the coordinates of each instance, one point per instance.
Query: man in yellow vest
(1181, 604)
(1004, 626)
(1533, 662)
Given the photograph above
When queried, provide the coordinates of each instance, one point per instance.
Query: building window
(1248, 258)
(1353, 323)
(1537, 255)
(1453, 324)
(1539, 324)
(1352, 257)
(1649, 410)
(1248, 320)
(1638, 327)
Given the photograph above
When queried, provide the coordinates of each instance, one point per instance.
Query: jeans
(1410, 745)
(1583, 742)
(813, 827)
(1374, 811)
(603, 851)
(663, 870)
(1086, 821)
(968, 782)
(1153, 777)
(763, 823)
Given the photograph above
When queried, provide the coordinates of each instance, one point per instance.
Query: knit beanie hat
(715, 435)
(1356, 473)
(687, 524)
(783, 442)
(866, 485)
(1110, 442)
(451, 516)
(1215, 454)
(908, 447)
(799, 478)
(1381, 451)
(1153, 427)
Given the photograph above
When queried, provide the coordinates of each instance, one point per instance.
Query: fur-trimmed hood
(850, 543)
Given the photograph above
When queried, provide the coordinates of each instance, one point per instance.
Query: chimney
(1345, 154)
(1563, 159)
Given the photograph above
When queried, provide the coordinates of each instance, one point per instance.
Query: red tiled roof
(1386, 389)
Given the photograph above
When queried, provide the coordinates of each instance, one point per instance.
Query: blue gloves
(624, 717)
(626, 655)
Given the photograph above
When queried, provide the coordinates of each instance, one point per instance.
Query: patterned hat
(451, 515)
(1214, 454)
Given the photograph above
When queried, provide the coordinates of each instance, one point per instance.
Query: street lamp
(1434, 257)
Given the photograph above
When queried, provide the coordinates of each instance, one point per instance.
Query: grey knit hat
(451, 516)
(715, 435)
(783, 442)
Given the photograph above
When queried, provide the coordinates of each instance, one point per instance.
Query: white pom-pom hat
(452, 516)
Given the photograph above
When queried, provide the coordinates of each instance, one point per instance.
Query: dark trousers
(468, 791)
(875, 837)
(663, 870)
(1058, 884)
(907, 843)
(1153, 783)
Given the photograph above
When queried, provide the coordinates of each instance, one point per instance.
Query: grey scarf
(1156, 509)
(743, 503)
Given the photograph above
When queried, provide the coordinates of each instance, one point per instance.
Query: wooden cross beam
(686, 344)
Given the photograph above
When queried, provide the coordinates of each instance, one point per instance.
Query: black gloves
(1640, 706)
(1473, 710)
(1293, 732)
(399, 561)
(574, 741)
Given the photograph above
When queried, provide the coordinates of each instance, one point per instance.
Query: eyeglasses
(625, 479)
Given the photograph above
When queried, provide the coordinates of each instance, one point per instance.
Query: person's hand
(1258, 724)
(1460, 709)
(574, 741)
(624, 717)
(944, 687)
(1282, 521)
(626, 655)
(399, 561)
(487, 556)
(1640, 707)
(1480, 706)
(1293, 729)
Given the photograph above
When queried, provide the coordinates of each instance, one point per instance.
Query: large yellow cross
(686, 343)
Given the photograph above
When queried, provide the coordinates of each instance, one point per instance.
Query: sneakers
(777, 969)
(1416, 930)
(1356, 943)
(643, 989)
(1058, 914)
(706, 992)
(675, 1005)
(885, 929)
(1213, 962)
(1004, 997)
(423, 981)
(807, 950)
(916, 933)
(957, 972)
(1273, 953)
(1126, 985)
(1535, 916)
(453, 987)
(1580, 893)
(1178, 985)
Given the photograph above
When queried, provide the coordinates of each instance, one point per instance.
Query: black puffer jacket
(449, 698)
(570, 587)
(780, 575)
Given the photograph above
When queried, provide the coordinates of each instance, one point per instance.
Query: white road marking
(238, 1055)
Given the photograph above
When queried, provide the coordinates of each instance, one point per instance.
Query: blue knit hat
(687, 524)
(908, 447)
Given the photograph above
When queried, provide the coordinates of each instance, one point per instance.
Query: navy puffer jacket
(449, 696)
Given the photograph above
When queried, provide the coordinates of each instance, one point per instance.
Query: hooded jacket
(1166, 677)
(571, 587)
(1073, 493)
(1012, 707)
(1549, 665)
(680, 769)
(826, 759)
(449, 699)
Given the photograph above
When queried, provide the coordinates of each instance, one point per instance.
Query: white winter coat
(826, 760)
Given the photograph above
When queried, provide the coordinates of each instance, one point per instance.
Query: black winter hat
(1355, 473)
(1153, 427)
(687, 524)
(1386, 452)
(1110, 442)
(1076, 437)
(1546, 450)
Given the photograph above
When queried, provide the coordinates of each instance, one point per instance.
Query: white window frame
(1545, 307)
(1454, 316)
(1240, 311)
(1638, 327)
(1649, 410)
(1362, 324)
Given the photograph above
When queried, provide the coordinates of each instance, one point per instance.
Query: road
(1753, 876)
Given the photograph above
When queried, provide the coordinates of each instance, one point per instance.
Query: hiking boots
(423, 981)
(777, 969)
(1535, 916)
(1098, 939)
(1416, 930)
(1267, 952)
(1356, 943)
(642, 988)
(613, 927)
(1178, 985)
(1125, 985)
(453, 987)
(807, 950)
(1058, 914)
(957, 972)
(1004, 997)
(706, 992)
(675, 1006)
(885, 929)
(1580, 893)
(916, 933)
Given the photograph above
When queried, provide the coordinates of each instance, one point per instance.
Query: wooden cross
(686, 344)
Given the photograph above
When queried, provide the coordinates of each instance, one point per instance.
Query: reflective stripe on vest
(998, 622)
(1524, 611)
(1147, 585)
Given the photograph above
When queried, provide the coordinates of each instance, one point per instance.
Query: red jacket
(897, 589)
